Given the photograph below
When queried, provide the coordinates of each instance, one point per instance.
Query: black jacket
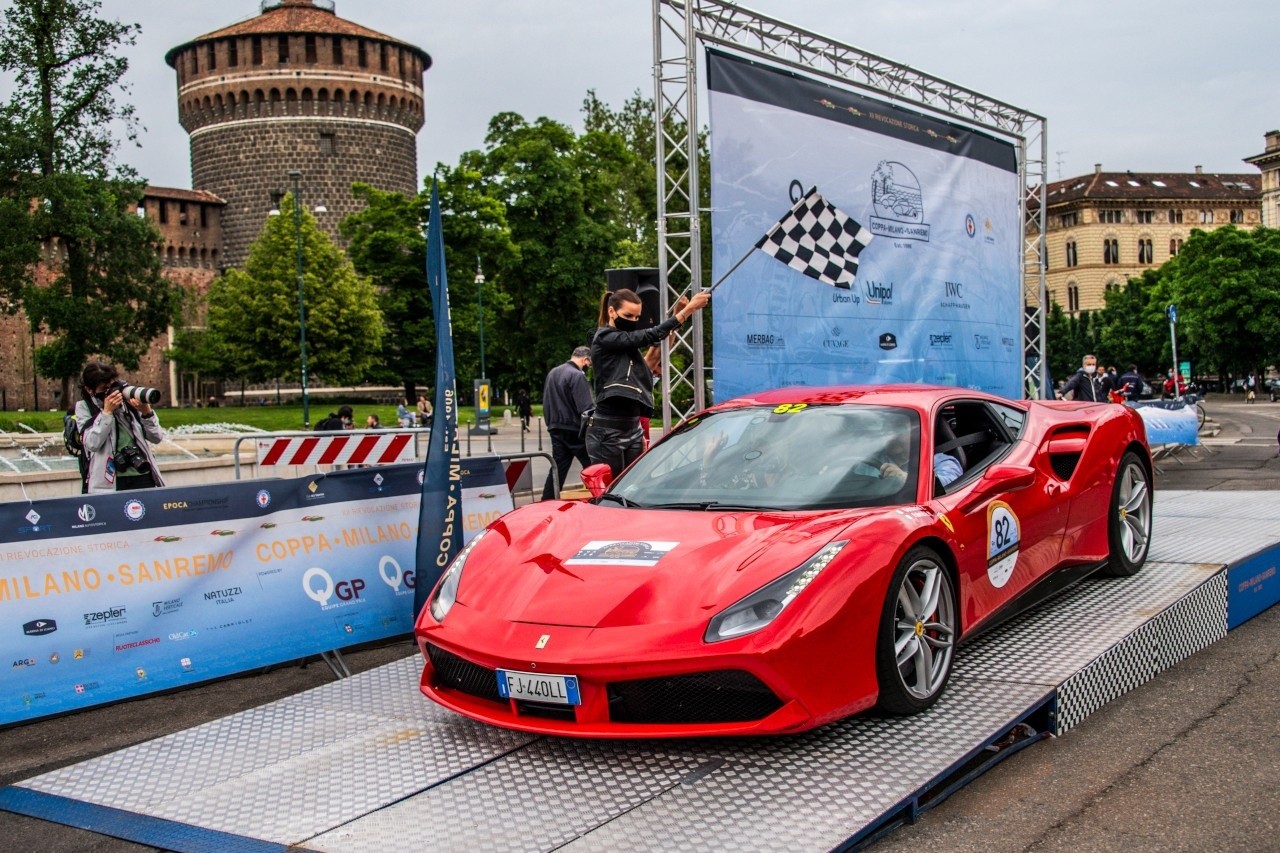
(620, 371)
(565, 396)
(1085, 387)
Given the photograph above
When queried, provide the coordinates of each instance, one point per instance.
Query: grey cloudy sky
(1147, 85)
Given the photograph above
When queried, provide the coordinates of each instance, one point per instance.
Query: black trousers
(139, 481)
(566, 446)
(615, 441)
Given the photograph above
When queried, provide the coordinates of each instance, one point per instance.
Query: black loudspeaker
(646, 284)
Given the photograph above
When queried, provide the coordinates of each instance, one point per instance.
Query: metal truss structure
(678, 27)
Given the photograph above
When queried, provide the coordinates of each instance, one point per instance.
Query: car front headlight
(446, 593)
(762, 606)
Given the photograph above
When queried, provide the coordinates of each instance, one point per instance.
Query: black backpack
(71, 436)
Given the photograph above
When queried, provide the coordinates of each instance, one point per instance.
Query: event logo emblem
(888, 341)
(898, 202)
(33, 518)
(836, 341)
(134, 510)
(422, 476)
(397, 577)
(160, 608)
(186, 664)
(39, 627)
(22, 663)
(970, 227)
(942, 341)
(109, 616)
(981, 342)
(55, 657)
(86, 513)
(347, 591)
(263, 499)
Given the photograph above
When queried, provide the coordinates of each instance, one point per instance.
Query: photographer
(116, 424)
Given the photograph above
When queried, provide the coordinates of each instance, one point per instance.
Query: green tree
(1226, 284)
(386, 242)
(253, 313)
(77, 259)
(1132, 329)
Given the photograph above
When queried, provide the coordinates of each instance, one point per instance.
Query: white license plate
(536, 687)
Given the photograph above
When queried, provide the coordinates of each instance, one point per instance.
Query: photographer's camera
(131, 456)
(141, 393)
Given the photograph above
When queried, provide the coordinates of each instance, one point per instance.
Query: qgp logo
(401, 582)
(320, 588)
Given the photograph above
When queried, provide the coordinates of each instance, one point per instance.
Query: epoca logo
(134, 510)
(263, 499)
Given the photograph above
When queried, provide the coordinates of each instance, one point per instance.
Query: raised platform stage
(367, 763)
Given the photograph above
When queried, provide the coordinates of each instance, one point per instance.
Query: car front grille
(463, 675)
(722, 696)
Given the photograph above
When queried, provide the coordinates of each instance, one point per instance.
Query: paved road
(1189, 761)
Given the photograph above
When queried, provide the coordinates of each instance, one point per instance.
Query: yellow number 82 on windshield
(790, 408)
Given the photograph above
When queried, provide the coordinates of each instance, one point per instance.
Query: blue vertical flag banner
(439, 527)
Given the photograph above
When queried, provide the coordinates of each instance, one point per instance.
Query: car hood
(553, 564)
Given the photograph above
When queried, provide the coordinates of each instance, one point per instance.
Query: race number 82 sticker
(1003, 536)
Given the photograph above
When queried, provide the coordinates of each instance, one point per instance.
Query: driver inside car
(898, 449)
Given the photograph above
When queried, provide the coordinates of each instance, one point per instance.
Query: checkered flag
(817, 239)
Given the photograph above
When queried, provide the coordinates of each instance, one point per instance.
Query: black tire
(1129, 518)
(926, 639)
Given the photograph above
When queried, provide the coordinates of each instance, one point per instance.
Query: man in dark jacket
(565, 396)
(341, 420)
(1086, 385)
(1130, 383)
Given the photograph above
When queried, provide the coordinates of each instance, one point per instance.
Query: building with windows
(1268, 162)
(1103, 228)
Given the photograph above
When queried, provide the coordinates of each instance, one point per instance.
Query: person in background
(116, 433)
(403, 416)
(623, 380)
(525, 407)
(343, 419)
(1086, 385)
(1130, 383)
(424, 411)
(566, 397)
(373, 422)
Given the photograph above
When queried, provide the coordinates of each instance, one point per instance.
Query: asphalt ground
(1190, 761)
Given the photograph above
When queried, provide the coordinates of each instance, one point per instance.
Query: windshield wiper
(619, 498)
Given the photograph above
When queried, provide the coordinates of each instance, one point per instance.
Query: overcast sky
(1147, 85)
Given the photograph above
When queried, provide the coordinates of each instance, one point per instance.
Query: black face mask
(624, 325)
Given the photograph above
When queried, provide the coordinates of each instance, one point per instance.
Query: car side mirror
(597, 478)
(998, 479)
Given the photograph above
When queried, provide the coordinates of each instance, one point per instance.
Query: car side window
(975, 433)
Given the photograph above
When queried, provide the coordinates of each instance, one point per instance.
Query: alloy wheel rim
(1134, 509)
(924, 628)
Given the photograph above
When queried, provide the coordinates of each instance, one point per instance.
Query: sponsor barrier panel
(105, 597)
(1252, 586)
(1169, 423)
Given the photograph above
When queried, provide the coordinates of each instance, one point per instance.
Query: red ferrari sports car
(784, 560)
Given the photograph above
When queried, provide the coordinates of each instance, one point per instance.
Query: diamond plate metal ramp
(367, 763)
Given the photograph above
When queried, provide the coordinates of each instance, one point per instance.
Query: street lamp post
(480, 304)
(295, 176)
(482, 383)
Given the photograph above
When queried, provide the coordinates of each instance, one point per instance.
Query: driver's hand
(889, 469)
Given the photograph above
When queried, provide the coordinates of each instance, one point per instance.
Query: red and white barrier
(386, 449)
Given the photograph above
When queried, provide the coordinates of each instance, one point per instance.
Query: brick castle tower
(297, 88)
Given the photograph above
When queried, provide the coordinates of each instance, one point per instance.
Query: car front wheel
(1129, 518)
(916, 645)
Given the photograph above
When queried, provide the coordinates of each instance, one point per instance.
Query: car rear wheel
(916, 645)
(1129, 519)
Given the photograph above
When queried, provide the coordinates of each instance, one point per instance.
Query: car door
(1004, 511)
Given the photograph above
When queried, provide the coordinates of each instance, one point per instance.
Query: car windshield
(787, 457)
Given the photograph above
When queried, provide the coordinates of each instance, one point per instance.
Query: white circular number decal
(1003, 535)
